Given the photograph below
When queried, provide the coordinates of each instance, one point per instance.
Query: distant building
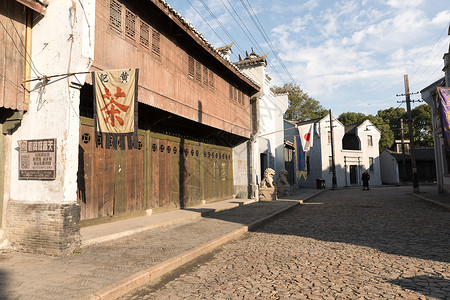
(355, 146)
(392, 165)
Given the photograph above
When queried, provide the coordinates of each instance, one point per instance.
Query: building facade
(355, 149)
(195, 114)
(271, 108)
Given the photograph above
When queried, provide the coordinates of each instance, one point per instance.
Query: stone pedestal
(267, 194)
(44, 228)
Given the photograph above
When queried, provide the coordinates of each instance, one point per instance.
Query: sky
(350, 55)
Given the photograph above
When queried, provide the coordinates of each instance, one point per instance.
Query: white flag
(307, 138)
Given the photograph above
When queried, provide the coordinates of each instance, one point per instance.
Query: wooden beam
(34, 5)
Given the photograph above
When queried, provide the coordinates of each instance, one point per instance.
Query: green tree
(301, 106)
(422, 126)
(421, 123)
(393, 117)
(349, 118)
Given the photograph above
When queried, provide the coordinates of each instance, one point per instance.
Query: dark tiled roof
(351, 129)
(422, 154)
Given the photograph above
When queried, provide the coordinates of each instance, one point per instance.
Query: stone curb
(119, 235)
(143, 277)
(441, 205)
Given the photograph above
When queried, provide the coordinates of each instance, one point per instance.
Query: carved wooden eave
(225, 48)
(37, 6)
(251, 61)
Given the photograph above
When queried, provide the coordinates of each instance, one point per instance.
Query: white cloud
(402, 4)
(442, 18)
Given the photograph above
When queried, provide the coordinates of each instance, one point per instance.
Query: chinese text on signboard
(37, 159)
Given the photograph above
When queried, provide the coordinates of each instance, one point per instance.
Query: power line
(206, 22)
(220, 24)
(249, 35)
(258, 25)
(430, 51)
(438, 54)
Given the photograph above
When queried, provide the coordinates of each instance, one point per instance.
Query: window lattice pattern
(240, 100)
(198, 71)
(231, 93)
(205, 75)
(130, 25)
(234, 95)
(115, 15)
(156, 39)
(144, 34)
(191, 68)
(211, 79)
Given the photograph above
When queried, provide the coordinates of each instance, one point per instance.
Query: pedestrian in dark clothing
(365, 177)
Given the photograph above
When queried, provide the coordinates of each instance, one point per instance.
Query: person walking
(365, 177)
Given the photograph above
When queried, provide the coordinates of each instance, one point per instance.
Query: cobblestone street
(354, 244)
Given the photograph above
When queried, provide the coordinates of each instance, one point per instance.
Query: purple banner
(444, 94)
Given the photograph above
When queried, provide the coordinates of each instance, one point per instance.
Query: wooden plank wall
(110, 181)
(166, 172)
(183, 172)
(12, 61)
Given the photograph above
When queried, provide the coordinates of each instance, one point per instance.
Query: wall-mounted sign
(37, 159)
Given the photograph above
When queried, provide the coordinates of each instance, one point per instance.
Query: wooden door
(110, 182)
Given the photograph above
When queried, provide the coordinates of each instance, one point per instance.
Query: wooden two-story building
(195, 118)
(194, 109)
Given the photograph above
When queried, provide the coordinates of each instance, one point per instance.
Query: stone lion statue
(282, 183)
(267, 181)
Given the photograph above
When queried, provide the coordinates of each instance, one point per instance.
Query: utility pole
(403, 152)
(416, 189)
(333, 165)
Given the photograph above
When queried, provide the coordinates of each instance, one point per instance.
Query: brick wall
(43, 228)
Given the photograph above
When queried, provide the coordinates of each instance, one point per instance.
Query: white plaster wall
(281, 103)
(363, 131)
(321, 151)
(389, 169)
(240, 165)
(271, 110)
(61, 44)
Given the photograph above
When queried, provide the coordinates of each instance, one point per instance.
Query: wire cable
(258, 25)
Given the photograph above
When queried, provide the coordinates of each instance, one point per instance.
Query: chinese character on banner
(444, 95)
(115, 109)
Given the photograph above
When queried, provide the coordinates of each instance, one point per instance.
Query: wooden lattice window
(231, 93)
(234, 95)
(205, 75)
(191, 67)
(156, 39)
(240, 100)
(198, 71)
(144, 34)
(211, 79)
(115, 15)
(130, 25)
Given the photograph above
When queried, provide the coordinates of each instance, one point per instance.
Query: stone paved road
(353, 244)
